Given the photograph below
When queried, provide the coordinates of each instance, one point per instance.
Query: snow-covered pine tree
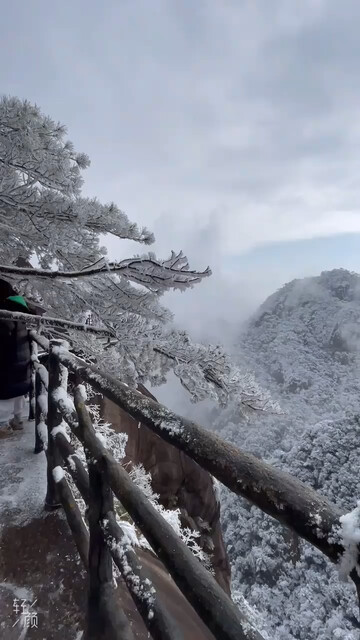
(298, 593)
(45, 220)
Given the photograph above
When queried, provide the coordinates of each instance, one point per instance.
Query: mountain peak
(342, 284)
(338, 283)
(305, 340)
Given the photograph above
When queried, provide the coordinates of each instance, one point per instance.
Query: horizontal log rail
(282, 496)
(307, 513)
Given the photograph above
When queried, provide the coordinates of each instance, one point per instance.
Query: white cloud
(246, 109)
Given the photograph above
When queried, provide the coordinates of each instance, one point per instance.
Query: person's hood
(18, 300)
(27, 306)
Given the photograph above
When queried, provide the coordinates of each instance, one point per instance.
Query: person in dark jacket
(15, 358)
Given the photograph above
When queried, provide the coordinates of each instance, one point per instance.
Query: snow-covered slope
(303, 344)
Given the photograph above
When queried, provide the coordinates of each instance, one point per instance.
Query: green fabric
(18, 300)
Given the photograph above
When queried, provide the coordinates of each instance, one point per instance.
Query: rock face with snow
(179, 482)
(303, 345)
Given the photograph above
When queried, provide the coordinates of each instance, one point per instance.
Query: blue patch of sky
(301, 258)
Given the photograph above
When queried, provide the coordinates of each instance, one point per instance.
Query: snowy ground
(22, 477)
(38, 561)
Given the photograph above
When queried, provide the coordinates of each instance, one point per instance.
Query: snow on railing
(39, 400)
(103, 538)
(277, 493)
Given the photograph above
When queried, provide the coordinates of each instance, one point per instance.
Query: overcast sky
(231, 128)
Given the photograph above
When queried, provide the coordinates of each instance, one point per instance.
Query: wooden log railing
(41, 407)
(196, 583)
(104, 538)
(277, 493)
(158, 621)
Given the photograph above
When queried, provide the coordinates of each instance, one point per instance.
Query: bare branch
(147, 271)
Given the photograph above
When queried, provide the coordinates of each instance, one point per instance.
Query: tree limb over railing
(173, 273)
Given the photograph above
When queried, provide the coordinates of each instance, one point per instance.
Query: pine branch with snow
(44, 219)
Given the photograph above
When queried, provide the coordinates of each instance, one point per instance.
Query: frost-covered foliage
(277, 572)
(302, 346)
(116, 442)
(40, 193)
(142, 479)
(44, 220)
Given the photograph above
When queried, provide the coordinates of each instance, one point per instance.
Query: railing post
(105, 618)
(32, 392)
(73, 515)
(157, 619)
(41, 408)
(57, 381)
